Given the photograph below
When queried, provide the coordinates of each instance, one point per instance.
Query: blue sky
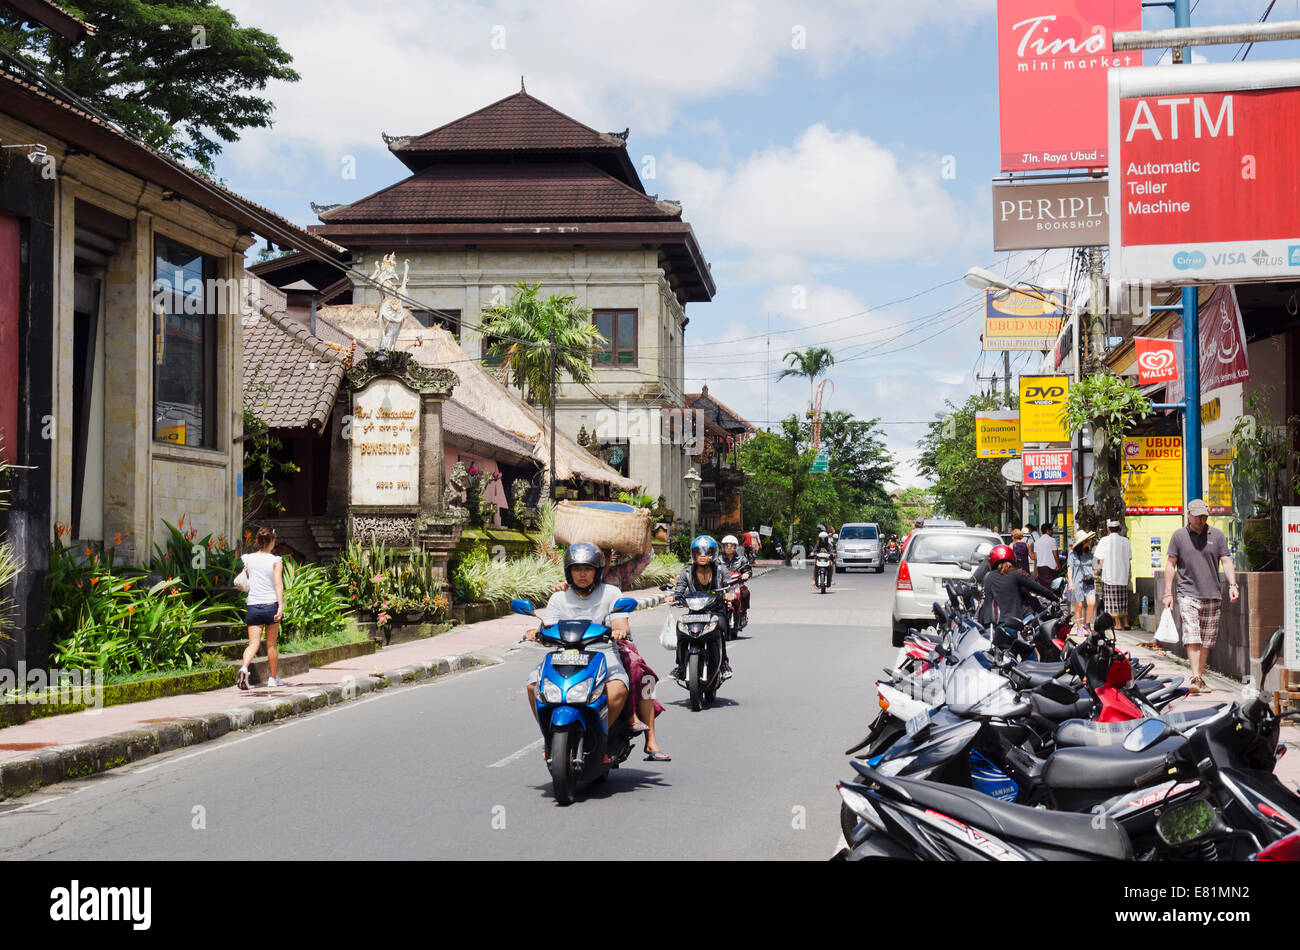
(810, 172)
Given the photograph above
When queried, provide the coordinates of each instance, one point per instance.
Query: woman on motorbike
(734, 561)
(1002, 587)
(702, 575)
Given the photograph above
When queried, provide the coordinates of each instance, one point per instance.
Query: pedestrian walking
(1045, 555)
(1081, 578)
(1114, 560)
(1021, 549)
(1195, 553)
(264, 572)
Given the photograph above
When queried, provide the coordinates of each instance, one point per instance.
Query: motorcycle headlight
(579, 692)
(551, 692)
(711, 624)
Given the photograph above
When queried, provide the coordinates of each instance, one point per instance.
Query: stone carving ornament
(390, 529)
(391, 312)
(457, 483)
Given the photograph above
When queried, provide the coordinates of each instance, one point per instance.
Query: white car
(932, 556)
(859, 547)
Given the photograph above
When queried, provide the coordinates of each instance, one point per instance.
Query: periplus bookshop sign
(1063, 214)
(1204, 173)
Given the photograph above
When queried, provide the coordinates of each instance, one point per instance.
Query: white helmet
(823, 536)
(730, 539)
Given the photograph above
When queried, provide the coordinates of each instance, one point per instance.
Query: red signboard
(1046, 468)
(1157, 360)
(1223, 340)
(1205, 174)
(1052, 61)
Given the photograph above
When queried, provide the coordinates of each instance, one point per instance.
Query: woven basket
(627, 532)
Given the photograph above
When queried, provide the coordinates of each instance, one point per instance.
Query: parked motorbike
(572, 708)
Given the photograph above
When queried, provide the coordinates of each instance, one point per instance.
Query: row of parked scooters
(1014, 742)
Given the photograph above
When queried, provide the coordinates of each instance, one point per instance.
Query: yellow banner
(997, 435)
(1218, 488)
(1152, 475)
(1042, 403)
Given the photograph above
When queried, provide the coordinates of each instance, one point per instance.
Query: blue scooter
(572, 709)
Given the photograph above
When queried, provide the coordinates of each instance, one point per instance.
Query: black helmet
(584, 553)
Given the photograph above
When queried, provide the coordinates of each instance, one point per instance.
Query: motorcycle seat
(1101, 767)
(1038, 672)
(1059, 712)
(1080, 732)
(1035, 828)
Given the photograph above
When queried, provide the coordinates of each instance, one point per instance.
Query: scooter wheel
(693, 682)
(564, 765)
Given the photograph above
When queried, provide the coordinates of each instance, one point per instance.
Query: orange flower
(117, 539)
(126, 586)
(172, 591)
(131, 609)
(181, 523)
(94, 581)
(88, 552)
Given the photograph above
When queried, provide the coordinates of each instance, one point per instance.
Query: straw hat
(1082, 536)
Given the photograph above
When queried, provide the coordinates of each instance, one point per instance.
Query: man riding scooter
(734, 560)
(704, 574)
(824, 544)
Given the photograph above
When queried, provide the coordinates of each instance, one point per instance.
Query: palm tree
(538, 341)
(812, 362)
(523, 332)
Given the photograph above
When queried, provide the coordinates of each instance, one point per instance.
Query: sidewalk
(44, 751)
(1223, 689)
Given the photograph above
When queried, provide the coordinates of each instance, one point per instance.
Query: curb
(24, 774)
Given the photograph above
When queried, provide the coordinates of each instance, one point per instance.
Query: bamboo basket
(626, 531)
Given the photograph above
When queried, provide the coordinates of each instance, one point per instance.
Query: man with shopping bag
(1195, 554)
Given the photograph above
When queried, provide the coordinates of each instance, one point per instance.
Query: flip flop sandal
(658, 755)
(639, 727)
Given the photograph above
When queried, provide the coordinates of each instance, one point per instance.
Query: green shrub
(469, 575)
(197, 563)
(313, 603)
(386, 581)
(680, 545)
(661, 570)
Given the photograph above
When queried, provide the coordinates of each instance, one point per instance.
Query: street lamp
(692, 479)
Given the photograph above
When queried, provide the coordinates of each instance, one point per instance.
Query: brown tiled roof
(736, 422)
(569, 191)
(517, 122)
(461, 425)
(290, 376)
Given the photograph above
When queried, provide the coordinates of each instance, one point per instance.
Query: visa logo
(1189, 260)
(1227, 259)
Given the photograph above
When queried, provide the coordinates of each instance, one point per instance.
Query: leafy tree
(912, 503)
(556, 322)
(811, 363)
(177, 74)
(965, 487)
(1111, 405)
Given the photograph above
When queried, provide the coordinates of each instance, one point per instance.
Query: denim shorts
(261, 615)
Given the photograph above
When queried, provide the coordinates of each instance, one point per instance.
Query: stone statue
(391, 312)
(457, 483)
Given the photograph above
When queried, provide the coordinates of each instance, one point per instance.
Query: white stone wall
(625, 279)
(144, 481)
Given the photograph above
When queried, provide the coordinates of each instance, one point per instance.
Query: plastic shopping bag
(1167, 632)
(668, 633)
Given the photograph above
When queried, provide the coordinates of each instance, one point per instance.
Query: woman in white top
(265, 604)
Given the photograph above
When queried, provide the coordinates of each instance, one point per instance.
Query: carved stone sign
(385, 445)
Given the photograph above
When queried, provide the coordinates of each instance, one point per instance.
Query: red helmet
(999, 554)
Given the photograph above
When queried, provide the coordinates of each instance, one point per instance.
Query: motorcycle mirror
(1057, 693)
(981, 550)
(624, 605)
(522, 606)
(1145, 735)
(1272, 651)
(1185, 823)
(1058, 585)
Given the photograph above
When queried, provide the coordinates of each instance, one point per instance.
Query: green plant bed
(336, 638)
(138, 690)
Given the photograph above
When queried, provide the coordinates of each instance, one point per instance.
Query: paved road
(451, 768)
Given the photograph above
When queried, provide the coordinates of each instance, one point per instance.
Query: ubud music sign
(1151, 472)
(1205, 173)
(1016, 321)
(997, 434)
(1047, 468)
(1061, 214)
(1053, 56)
(1042, 405)
(1157, 360)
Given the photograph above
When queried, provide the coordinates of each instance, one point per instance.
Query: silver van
(859, 547)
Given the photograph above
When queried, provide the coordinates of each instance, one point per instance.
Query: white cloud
(832, 195)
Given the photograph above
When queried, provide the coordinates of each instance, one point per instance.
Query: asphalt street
(452, 768)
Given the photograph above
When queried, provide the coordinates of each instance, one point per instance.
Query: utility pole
(553, 407)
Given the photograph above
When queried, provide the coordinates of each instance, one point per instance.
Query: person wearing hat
(1114, 556)
(1081, 578)
(1195, 553)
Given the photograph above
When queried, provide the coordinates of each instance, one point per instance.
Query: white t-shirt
(1115, 554)
(1045, 551)
(261, 577)
(569, 605)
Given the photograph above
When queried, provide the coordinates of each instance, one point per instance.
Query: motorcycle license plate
(917, 723)
(697, 618)
(570, 658)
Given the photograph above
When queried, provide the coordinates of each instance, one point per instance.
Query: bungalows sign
(1053, 56)
(1015, 321)
(1063, 214)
